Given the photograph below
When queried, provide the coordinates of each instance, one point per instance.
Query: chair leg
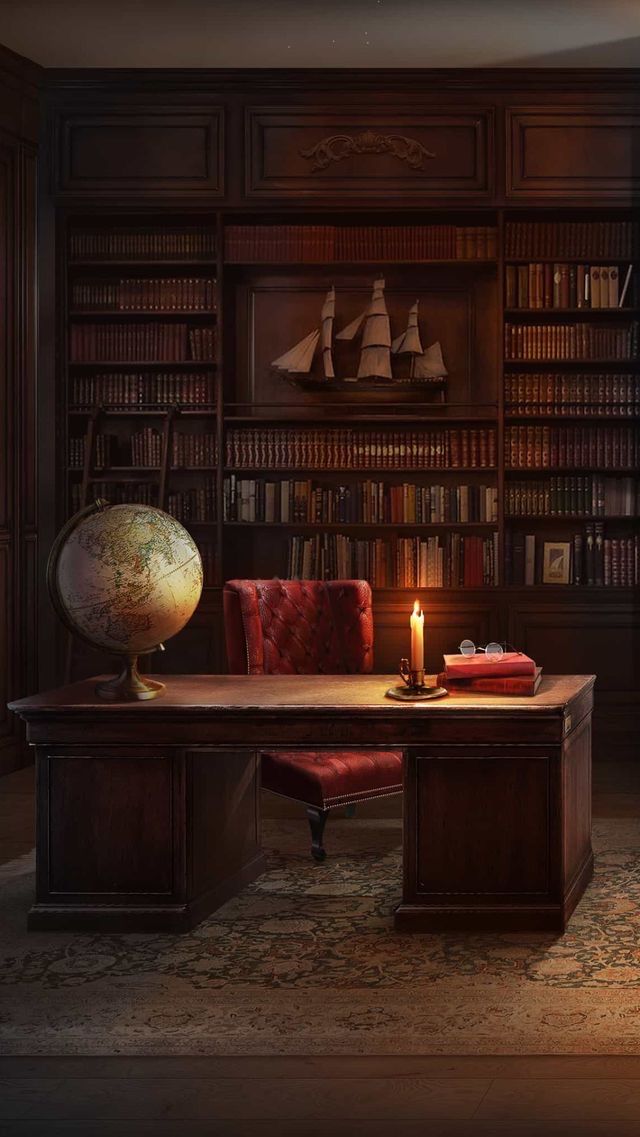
(317, 822)
(349, 810)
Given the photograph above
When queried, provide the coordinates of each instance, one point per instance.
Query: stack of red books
(513, 673)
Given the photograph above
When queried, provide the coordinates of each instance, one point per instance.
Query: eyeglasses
(492, 650)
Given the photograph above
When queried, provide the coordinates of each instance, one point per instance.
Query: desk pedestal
(496, 838)
(136, 838)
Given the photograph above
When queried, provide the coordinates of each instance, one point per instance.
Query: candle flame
(416, 608)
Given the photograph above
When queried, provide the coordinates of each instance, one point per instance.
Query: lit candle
(417, 637)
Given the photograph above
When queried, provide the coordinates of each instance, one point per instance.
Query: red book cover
(508, 685)
(479, 666)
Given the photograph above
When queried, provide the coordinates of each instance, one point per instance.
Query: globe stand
(129, 686)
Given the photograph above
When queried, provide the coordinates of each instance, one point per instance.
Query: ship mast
(425, 364)
(409, 342)
(299, 359)
(375, 355)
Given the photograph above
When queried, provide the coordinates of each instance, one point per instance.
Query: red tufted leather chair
(310, 627)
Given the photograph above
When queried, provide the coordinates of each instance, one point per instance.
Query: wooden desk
(149, 816)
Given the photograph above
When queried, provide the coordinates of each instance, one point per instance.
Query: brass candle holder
(414, 687)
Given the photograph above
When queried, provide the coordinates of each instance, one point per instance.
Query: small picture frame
(556, 562)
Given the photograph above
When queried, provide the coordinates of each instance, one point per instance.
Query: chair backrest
(304, 627)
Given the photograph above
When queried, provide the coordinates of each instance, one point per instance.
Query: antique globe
(125, 578)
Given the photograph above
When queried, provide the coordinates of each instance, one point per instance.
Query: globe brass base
(129, 686)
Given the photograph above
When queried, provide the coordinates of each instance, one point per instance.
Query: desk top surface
(335, 695)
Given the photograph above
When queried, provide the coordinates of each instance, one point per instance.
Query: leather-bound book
(507, 685)
(479, 666)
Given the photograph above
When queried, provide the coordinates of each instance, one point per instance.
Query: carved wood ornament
(338, 146)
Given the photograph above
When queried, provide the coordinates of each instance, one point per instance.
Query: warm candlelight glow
(416, 624)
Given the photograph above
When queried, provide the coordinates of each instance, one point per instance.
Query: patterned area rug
(306, 961)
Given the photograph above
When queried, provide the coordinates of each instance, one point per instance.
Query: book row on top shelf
(327, 244)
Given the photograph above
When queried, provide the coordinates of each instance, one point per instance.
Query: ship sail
(425, 364)
(409, 342)
(375, 359)
(375, 356)
(429, 365)
(299, 358)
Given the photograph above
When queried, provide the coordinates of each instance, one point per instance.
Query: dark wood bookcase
(543, 167)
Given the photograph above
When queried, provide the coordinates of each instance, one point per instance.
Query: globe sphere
(124, 577)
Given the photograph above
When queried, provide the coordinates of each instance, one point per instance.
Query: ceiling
(324, 33)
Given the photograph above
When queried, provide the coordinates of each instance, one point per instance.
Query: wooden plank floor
(359, 1096)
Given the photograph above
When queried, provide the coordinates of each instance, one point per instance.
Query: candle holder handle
(414, 679)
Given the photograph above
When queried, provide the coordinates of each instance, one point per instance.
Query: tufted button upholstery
(295, 627)
(299, 627)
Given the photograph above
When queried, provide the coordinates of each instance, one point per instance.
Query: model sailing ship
(377, 346)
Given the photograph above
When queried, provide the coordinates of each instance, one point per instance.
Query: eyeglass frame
(503, 646)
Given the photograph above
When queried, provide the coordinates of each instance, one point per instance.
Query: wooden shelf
(146, 470)
(553, 518)
(584, 364)
(388, 263)
(360, 471)
(331, 526)
(600, 418)
(135, 364)
(538, 470)
(156, 410)
(538, 312)
(111, 313)
(559, 259)
(192, 262)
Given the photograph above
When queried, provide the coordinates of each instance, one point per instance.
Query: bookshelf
(141, 367)
(532, 439)
(571, 401)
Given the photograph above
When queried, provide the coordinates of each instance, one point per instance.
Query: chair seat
(327, 778)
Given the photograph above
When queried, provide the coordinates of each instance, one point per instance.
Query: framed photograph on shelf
(556, 562)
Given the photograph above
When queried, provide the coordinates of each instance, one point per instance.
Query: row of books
(369, 503)
(189, 449)
(173, 243)
(101, 452)
(545, 285)
(566, 393)
(612, 447)
(325, 243)
(151, 294)
(197, 503)
(170, 342)
(571, 341)
(146, 447)
(591, 495)
(126, 389)
(449, 561)
(572, 238)
(337, 448)
(586, 557)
